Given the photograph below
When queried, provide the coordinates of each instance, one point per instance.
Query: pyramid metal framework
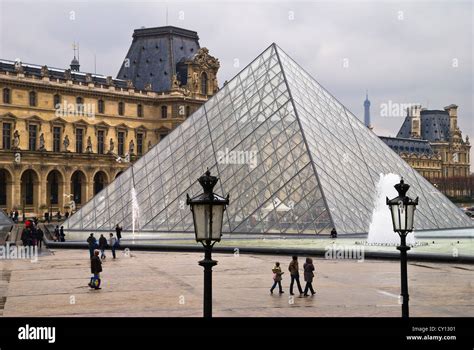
(292, 157)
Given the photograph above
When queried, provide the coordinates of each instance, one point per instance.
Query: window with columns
(57, 101)
(100, 141)
(204, 82)
(57, 139)
(121, 143)
(121, 108)
(6, 95)
(164, 112)
(139, 144)
(32, 137)
(100, 106)
(7, 136)
(79, 140)
(32, 98)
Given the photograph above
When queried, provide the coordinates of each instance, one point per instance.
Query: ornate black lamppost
(402, 209)
(208, 212)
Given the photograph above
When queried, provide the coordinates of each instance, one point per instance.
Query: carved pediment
(203, 59)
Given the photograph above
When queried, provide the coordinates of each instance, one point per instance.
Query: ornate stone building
(431, 142)
(66, 133)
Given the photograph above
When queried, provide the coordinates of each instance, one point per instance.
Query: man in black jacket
(92, 242)
(96, 269)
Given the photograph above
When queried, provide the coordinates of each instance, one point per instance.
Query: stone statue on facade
(89, 145)
(175, 82)
(111, 147)
(41, 143)
(66, 143)
(67, 74)
(19, 67)
(44, 71)
(16, 140)
(131, 147)
(149, 145)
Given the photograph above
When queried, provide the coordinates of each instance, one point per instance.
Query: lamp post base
(403, 248)
(207, 263)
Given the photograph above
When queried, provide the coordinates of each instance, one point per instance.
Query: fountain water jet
(381, 228)
(135, 211)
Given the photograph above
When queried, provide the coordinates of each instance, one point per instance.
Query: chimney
(452, 110)
(414, 112)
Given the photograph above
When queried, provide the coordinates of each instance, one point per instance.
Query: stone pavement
(170, 284)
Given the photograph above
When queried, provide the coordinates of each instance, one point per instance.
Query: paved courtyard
(170, 284)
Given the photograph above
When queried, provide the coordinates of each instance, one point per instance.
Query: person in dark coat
(102, 246)
(25, 236)
(40, 237)
(333, 233)
(118, 233)
(92, 244)
(308, 276)
(295, 275)
(62, 234)
(56, 233)
(96, 269)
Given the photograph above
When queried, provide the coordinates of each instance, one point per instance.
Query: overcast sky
(402, 52)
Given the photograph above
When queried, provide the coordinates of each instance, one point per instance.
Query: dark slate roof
(420, 147)
(434, 126)
(58, 73)
(153, 56)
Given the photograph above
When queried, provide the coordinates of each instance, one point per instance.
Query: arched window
(32, 96)
(56, 101)
(6, 95)
(164, 112)
(100, 106)
(204, 84)
(121, 108)
(139, 110)
(80, 104)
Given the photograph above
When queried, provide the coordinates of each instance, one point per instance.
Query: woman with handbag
(277, 273)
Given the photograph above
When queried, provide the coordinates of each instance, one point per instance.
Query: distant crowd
(97, 247)
(32, 234)
(14, 215)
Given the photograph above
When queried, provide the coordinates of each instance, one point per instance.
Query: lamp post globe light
(402, 209)
(208, 214)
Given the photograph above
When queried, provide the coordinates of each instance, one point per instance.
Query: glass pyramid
(292, 157)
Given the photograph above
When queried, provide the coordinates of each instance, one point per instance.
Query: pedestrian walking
(92, 244)
(295, 275)
(102, 246)
(118, 232)
(308, 276)
(277, 277)
(96, 269)
(62, 235)
(40, 237)
(56, 233)
(112, 244)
